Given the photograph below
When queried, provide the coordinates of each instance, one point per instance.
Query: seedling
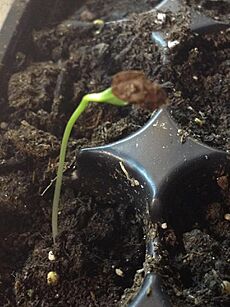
(129, 86)
(103, 97)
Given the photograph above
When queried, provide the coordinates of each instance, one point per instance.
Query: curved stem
(82, 106)
(104, 97)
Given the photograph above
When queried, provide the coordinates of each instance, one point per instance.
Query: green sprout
(127, 86)
(103, 97)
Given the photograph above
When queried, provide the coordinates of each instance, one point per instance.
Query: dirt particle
(199, 121)
(119, 272)
(3, 125)
(225, 286)
(51, 256)
(30, 292)
(52, 278)
(149, 291)
(227, 217)
(223, 182)
(161, 17)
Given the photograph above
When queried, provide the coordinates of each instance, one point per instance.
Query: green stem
(82, 106)
(104, 97)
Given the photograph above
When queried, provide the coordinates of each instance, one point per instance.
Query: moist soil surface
(201, 74)
(100, 245)
(112, 10)
(96, 256)
(195, 265)
(217, 9)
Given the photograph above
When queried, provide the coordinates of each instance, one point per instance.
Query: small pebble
(74, 175)
(225, 286)
(99, 22)
(3, 125)
(17, 285)
(149, 291)
(164, 226)
(140, 271)
(199, 121)
(30, 292)
(172, 44)
(119, 272)
(161, 17)
(227, 216)
(51, 256)
(177, 94)
(52, 278)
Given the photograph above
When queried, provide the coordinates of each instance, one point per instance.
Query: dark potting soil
(112, 10)
(195, 265)
(96, 257)
(65, 62)
(200, 73)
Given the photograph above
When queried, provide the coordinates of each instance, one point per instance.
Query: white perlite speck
(51, 256)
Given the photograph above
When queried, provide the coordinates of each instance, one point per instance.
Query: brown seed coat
(133, 86)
